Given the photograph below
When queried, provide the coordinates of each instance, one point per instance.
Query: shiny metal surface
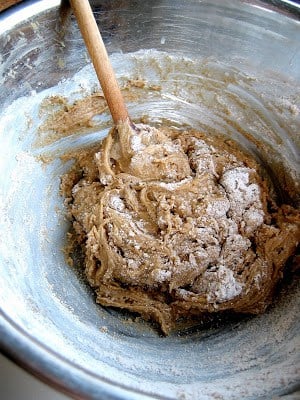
(244, 77)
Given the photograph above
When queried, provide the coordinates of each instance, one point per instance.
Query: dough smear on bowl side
(177, 224)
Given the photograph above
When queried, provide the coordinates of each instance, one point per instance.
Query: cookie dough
(177, 224)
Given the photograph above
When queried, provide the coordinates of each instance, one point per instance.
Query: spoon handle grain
(96, 48)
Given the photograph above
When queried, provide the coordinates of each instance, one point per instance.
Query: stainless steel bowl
(246, 56)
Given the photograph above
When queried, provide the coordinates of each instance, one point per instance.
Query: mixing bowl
(229, 67)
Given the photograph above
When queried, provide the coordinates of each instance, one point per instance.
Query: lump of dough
(176, 224)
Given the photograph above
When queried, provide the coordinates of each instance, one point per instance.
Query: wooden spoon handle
(99, 57)
(7, 3)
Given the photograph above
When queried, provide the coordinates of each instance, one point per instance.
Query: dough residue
(177, 224)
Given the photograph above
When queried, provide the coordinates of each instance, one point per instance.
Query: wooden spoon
(100, 60)
(161, 160)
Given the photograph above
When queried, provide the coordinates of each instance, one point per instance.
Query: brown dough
(174, 224)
